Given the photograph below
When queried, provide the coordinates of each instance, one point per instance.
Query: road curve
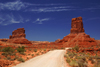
(53, 58)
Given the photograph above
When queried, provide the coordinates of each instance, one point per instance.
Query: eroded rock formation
(77, 35)
(77, 25)
(18, 37)
(19, 33)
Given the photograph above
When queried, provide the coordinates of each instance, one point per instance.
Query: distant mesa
(18, 37)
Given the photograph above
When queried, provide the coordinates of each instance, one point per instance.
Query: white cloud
(40, 21)
(51, 9)
(17, 5)
(7, 19)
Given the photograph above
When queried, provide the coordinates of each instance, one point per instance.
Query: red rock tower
(19, 33)
(77, 25)
(18, 37)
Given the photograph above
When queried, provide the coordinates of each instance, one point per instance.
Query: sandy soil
(53, 58)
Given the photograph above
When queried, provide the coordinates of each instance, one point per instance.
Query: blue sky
(48, 20)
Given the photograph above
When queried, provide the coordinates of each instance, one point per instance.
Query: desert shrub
(4, 58)
(28, 54)
(21, 59)
(68, 60)
(5, 54)
(97, 64)
(82, 63)
(65, 55)
(7, 49)
(22, 53)
(44, 49)
(73, 63)
(8, 53)
(62, 48)
(96, 57)
(16, 57)
(71, 55)
(42, 52)
(8, 57)
(21, 49)
(12, 59)
(27, 58)
(92, 61)
(76, 48)
(32, 55)
(90, 58)
(35, 50)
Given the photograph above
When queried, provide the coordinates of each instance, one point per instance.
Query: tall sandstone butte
(77, 25)
(19, 33)
(77, 35)
(18, 37)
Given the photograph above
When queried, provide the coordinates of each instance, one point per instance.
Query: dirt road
(53, 58)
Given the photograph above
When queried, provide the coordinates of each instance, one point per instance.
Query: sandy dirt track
(53, 58)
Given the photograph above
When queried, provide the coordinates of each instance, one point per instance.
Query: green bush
(5, 54)
(71, 55)
(32, 55)
(16, 57)
(21, 49)
(12, 59)
(22, 53)
(65, 55)
(76, 48)
(7, 49)
(44, 49)
(73, 63)
(82, 63)
(28, 54)
(8, 53)
(27, 58)
(21, 59)
(68, 60)
(35, 50)
(8, 58)
(97, 64)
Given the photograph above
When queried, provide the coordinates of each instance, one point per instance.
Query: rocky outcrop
(57, 40)
(4, 40)
(18, 37)
(77, 25)
(77, 35)
(19, 33)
